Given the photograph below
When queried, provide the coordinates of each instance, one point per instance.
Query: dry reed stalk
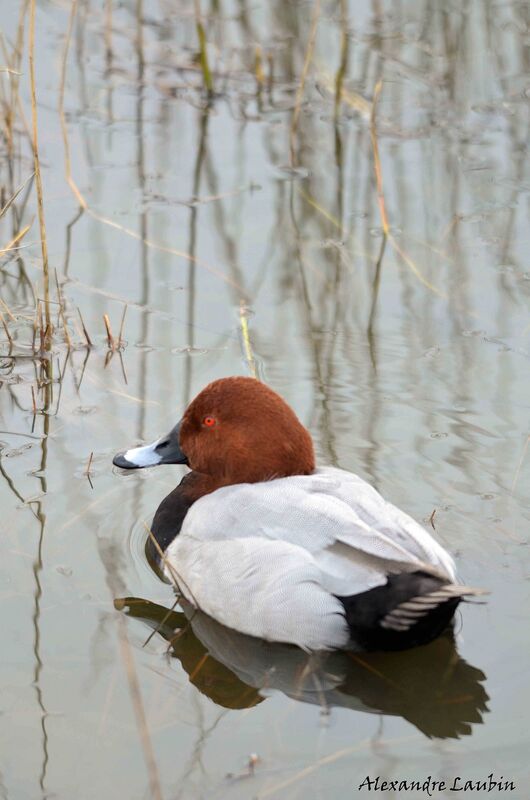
(382, 214)
(258, 66)
(85, 332)
(38, 179)
(110, 338)
(344, 41)
(34, 400)
(270, 76)
(108, 32)
(163, 248)
(35, 325)
(67, 162)
(61, 311)
(8, 310)
(130, 397)
(12, 245)
(14, 196)
(40, 322)
(203, 51)
(305, 69)
(321, 210)
(44, 330)
(22, 114)
(173, 576)
(160, 624)
(10, 71)
(377, 160)
(87, 471)
(59, 298)
(177, 579)
(122, 365)
(519, 465)
(45, 338)
(375, 294)
(245, 336)
(15, 71)
(449, 228)
(78, 328)
(200, 664)
(7, 113)
(6, 329)
(122, 324)
(341, 94)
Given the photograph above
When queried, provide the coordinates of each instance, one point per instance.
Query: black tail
(412, 608)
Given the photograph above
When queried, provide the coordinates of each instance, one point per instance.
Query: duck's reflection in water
(431, 686)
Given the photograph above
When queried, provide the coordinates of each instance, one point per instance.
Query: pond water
(245, 232)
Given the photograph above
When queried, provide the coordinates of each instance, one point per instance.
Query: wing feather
(271, 590)
(353, 533)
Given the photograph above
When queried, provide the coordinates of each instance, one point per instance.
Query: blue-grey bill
(165, 450)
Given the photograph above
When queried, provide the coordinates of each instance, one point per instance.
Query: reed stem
(203, 50)
(38, 179)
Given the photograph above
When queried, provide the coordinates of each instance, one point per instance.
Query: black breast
(168, 520)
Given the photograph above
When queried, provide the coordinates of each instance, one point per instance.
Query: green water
(409, 365)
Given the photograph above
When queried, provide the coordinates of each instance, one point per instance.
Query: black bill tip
(119, 460)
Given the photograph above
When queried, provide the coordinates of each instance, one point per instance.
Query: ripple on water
(136, 541)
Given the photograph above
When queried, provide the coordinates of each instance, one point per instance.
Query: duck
(259, 538)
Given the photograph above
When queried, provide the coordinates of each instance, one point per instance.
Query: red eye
(209, 422)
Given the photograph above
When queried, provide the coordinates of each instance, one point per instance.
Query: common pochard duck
(268, 544)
